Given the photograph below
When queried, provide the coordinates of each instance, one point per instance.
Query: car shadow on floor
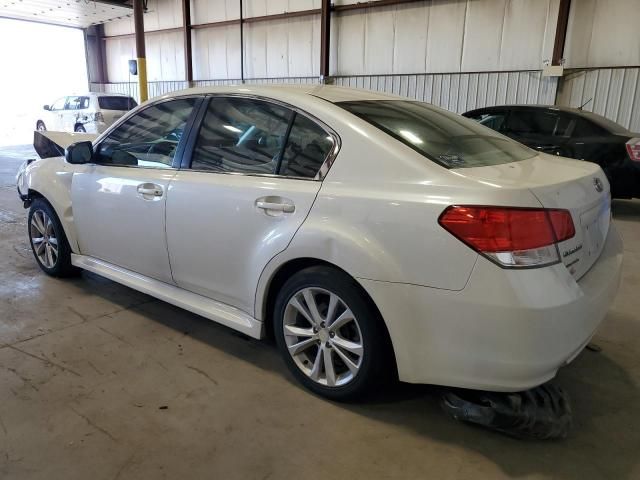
(626, 209)
(606, 403)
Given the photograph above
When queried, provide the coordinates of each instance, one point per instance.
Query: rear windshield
(448, 139)
(116, 103)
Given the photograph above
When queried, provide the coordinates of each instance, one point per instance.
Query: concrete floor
(99, 381)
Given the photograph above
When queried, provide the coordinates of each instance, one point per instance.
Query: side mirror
(47, 107)
(79, 153)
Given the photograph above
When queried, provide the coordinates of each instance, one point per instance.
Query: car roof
(600, 120)
(330, 93)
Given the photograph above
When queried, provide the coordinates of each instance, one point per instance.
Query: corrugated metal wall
(456, 92)
(612, 92)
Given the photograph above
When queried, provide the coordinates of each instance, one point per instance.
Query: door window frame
(180, 150)
(189, 149)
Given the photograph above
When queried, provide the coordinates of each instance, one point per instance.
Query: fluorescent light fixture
(232, 128)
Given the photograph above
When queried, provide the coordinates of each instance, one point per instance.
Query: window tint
(241, 135)
(585, 128)
(525, 122)
(563, 126)
(493, 120)
(116, 103)
(149, 138)
(59, 104)
(450, 140)
(307, 147)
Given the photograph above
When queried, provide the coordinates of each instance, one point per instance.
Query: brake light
(633, 149)
(510, 236)
(99, 117)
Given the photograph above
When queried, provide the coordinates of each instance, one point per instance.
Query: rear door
(542, 129)
(248, 186)
(113, 107)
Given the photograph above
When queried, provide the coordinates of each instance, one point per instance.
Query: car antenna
(581, 106)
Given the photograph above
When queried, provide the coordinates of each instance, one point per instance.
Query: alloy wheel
(43, 238)
(323, 337)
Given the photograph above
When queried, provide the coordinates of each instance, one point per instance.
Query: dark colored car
(572, 133)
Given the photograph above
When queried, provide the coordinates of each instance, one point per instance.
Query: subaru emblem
(598, 184)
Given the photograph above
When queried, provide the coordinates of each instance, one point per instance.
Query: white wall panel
(444, 37)
(208, 11)
(410, 45)
(165, 57)
(482, 35)
(603, 33)
(216, 52)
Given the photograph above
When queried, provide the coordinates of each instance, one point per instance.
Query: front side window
(585, 128)
(76, 103)
(241, 135)
(59, 104)
(493, 120)
(307, 148)
(446, 138)
(150, 138)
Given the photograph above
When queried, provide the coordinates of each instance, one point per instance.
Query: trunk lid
(578, 186)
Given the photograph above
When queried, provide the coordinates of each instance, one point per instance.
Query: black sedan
(572, 133)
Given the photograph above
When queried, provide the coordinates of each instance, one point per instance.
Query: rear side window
(307, 148)
(524, 122)
(448, 139)
(116, 103)
(585, 128)
(241, 135)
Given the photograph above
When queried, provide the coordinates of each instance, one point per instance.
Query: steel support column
(138, 21)
(241, 43)
(186, 30)
(561, 32)
(325, 39)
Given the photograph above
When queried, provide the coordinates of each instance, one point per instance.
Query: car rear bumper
(507, 330)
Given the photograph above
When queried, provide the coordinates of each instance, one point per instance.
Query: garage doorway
(40, 64)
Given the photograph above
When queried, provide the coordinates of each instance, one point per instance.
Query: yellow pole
(138, 22)
(142, 79)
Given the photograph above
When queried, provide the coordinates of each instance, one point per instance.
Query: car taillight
(510, 236)
(99, 117)
(633, 149)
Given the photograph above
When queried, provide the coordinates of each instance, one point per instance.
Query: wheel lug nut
(321, 324)
(315, 329)
(332, 334)
(328, 345)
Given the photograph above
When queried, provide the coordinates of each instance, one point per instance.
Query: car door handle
(275, 204)
(150, 190)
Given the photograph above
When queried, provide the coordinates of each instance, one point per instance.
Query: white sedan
(372, 235)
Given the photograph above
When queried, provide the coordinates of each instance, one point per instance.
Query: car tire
(358, 350)
(40, 126)
(48, 240)
(79, 129)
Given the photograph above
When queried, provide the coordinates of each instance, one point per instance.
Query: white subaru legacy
(371, 235)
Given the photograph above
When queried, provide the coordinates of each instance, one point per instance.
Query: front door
(119, 202)
(250, 185)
